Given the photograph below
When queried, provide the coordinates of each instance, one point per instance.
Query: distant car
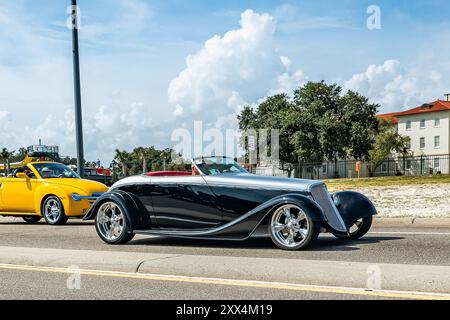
(47, 189)
(221, 200)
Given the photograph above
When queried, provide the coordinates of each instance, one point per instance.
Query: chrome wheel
(110, 221)
(290, 226)
(357, 229)
(52, 210)
(356, 226)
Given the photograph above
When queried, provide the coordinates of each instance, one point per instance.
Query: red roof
(389, 116)
(438, 105)
(435, 106)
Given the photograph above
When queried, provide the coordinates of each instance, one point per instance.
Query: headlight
(76, 197)
(336, 201)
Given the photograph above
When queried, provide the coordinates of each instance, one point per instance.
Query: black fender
(353, 206)
(244, 226)
(130, 204)
(308, 205)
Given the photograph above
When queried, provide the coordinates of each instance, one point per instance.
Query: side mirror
(22, 175)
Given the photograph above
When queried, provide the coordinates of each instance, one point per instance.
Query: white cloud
(232, 70)
(395, 88)
(287, 63)
(179, 111)
(4, 115)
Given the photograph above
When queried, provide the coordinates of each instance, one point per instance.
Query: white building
(427, 126)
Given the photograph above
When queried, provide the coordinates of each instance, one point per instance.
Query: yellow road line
(240, 283)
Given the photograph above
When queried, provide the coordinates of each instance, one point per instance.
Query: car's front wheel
(291, 228)
(358, 229)
(111, 223)
(53, 211)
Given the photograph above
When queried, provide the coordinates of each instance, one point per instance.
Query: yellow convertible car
(47, 189)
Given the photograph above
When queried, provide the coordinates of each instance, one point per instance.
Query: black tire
(366, 224)
(52, 217)
(102, 227)
(312, 227)
(32, 219)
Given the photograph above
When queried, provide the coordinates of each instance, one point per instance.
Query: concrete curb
(384, 222)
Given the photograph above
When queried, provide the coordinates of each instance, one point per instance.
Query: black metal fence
(395, 166)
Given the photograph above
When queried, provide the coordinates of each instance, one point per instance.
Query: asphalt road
(397, 249)
(41, 285)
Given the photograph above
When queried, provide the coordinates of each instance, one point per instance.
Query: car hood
(264, 182)
(245, 180)
(87, 187)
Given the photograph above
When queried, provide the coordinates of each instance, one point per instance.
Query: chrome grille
(322, 197)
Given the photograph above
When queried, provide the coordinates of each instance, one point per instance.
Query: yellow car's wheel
(32, 219)
(53, 211)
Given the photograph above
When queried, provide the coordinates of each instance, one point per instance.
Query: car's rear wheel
(358, 228)
(291, 228)
(111, 223)
(32, 219)
(53, 211)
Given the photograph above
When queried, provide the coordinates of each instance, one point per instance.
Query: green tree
(275, 112)
(5, 156)
(387, 142)
(142, 154)
(361, 123)
(319, 124)
(123, 158)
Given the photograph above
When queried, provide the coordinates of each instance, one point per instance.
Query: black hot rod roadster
(221, 200)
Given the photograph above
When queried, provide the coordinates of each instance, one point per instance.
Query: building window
(422, 124)
(408, 164)
(437, 141)
(422, 143)
(324, 168)
(437, 122)
(437, 163)
(408, 125)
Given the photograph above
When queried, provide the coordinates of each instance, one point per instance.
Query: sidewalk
(434, 223)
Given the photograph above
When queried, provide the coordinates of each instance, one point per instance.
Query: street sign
(358, 168)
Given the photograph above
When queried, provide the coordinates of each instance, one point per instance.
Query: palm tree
(123, 158)
(5, 155)
(142, 154)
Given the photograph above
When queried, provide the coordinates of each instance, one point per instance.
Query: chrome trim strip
(77, 197)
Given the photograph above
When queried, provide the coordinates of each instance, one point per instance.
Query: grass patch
(340, 184)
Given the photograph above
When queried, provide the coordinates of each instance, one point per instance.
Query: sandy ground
(416, 201)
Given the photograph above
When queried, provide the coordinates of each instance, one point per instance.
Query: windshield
(55, 170)
(218, 165)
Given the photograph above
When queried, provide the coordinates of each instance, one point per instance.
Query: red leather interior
(168, 173)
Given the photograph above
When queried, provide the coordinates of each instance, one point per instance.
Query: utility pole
(77, 87)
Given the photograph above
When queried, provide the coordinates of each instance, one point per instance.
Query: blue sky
(138, 86)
